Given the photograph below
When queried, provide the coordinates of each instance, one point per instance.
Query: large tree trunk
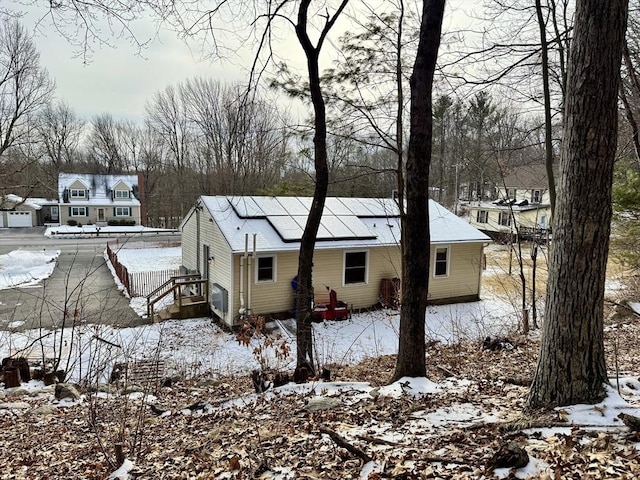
(571, 367)
(415, 258)
(304, 291)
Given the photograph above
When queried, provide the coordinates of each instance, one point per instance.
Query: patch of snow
(26, 268)
(122, 473)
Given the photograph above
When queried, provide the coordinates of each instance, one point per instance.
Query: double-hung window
(441, 262)
(122, 193)
(123, 211)
(77, 193)
(505, 219)
(355, 267)
(266, 269)
(483, 216)
(78, 211)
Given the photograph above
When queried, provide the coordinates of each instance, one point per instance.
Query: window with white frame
(511, 193)
(77, 193)
(441, 262)
(355, 267)
(504, 219)
(536, 196)
(122, 193)
(483, 216)
(123, 211)
(78, 211)
(266, 269)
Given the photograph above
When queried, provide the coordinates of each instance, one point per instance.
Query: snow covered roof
(278, 222)
(501, 205)
(99, 187)
(10, 201)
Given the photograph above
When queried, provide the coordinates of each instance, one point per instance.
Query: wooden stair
(190, 294)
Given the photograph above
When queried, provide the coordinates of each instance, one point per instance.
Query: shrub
(72, 223)
(121, 223)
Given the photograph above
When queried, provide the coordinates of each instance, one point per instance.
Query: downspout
(250, 275)
(242, 259)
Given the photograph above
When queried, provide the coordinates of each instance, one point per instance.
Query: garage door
(19, 219)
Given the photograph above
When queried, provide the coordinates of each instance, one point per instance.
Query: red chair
(334, 310)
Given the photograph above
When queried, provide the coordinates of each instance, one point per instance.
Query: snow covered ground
(197, 347)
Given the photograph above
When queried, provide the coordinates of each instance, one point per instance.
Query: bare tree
(59, 131)
(25, 88)
(571, 366)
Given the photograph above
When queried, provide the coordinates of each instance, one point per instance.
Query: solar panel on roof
(336, 207)
(270, 206)
(245, 207)
(295, 206)
(288, 229)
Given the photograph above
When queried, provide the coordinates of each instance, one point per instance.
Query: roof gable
(99, 187)
(528, 177)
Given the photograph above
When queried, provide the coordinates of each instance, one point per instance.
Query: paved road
(81, 288)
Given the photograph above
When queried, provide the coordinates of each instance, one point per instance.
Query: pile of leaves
(220, 428)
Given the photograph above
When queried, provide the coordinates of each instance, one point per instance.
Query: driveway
(81, 288)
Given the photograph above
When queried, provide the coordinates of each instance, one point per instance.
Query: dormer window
(77, 193)
(122, 194)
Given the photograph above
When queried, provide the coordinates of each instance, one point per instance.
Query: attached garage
(19, 219)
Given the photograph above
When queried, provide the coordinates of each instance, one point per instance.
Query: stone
(322, 403)
(17, 393)
(43, 410)
(66, 390)
(14, 406)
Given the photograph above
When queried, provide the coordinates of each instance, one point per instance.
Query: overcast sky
(117, 80)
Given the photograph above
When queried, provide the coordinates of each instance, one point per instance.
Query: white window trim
(123, 208)
(501, 215)
(484, 214)
(275, 269)
(344, 267)
(84, 210)
(122, 194)
(447, 248)
(78, 191)
(533, 196)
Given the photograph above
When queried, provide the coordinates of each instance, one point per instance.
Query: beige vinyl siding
(529, 218)
(77, 185)
(219, 251)
(220, 270)
(189, 242)
(383, 262)
(465, 263)
(92, 213)
(491, 224)
(268, 297)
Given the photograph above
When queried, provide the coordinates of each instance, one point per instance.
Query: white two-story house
(523, 205)
(99, 199)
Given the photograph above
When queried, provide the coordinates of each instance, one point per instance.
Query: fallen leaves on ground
(274, 435)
